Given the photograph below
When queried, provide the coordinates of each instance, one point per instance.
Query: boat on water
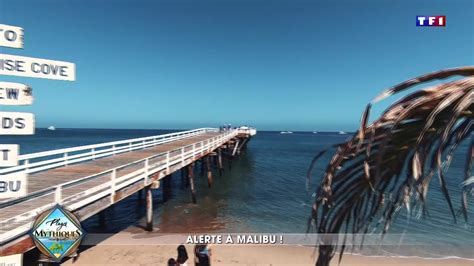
(51, 128)
(342, 133)
(315, 132)
(286, 132)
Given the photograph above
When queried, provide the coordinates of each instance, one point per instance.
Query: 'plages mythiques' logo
(57, 233)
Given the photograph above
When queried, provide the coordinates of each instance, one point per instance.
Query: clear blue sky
(293, 65)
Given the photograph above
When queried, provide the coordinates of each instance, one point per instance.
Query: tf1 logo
(430, 21)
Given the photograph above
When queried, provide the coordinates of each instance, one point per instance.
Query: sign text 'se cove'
(36, 68)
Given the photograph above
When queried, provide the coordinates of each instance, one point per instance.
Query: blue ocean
(264, 192)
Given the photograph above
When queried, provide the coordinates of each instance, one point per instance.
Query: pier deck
(88, 179)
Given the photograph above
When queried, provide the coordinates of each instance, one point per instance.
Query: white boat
(286, 132)
(315, 132)
(342, 133)
(51, 128)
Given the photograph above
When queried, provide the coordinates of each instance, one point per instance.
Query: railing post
(202, 147)
(65, 158)
(112, 185)
(194, 151)
(182, 157)
(168, 162)
(27, 163)
(147, 165)
(57, 194)
(93, 153)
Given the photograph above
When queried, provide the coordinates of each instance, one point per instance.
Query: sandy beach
(237, 255)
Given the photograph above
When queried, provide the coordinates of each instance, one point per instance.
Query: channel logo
(430, 21)
(57, 233)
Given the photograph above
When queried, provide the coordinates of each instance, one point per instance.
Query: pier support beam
(102, 219)
(166, 187)
(140, 194)
(203, 166)
(209, 171)
(191, 182)
(149, 209)
(184, 179)
(219, 161)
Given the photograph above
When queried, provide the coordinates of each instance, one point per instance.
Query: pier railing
(40, 161)
(109, 181)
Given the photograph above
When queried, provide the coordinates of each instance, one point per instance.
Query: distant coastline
(181, 129)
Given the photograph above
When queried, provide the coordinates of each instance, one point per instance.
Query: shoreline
(241, 255)
(153, 248)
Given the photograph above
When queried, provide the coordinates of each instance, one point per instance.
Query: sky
(275, 65)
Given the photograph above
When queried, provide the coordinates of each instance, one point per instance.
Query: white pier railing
(40, 161)
(159, 163)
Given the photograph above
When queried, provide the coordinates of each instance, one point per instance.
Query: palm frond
(389, 163)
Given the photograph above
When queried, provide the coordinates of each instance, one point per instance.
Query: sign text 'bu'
(13, 185)
(15, 94)
(11, 36)
(15, 123)
(36, 68)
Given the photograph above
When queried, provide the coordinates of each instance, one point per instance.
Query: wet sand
(237, 255)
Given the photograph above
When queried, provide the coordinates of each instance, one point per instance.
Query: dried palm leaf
(389, 163)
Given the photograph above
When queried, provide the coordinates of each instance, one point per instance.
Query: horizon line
(180, 129)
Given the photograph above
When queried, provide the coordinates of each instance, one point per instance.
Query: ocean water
(264, 192)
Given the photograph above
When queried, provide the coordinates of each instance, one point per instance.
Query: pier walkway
(88, 179)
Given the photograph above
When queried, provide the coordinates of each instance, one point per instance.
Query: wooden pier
(88, 179)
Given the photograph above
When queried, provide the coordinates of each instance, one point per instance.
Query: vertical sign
(23, 66)
(13, 185)
(9, 155)
(15, 123)
(11, 36)
(15, 94)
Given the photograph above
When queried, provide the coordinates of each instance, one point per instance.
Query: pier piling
(209, 172)
(184, 181)
(149, 209)
(219, 161)
(202, 166)
(191, 182)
